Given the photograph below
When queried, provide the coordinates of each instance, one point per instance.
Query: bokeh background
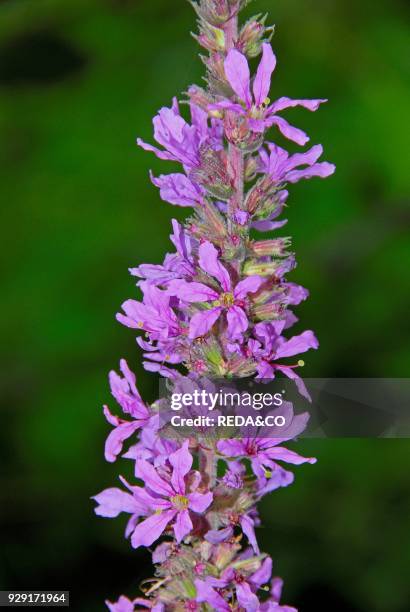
(79, 80)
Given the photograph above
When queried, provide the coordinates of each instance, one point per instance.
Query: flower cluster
(219, 306)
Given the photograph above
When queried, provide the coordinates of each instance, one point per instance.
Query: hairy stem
(207, 465)
(231, 29)
(236, 157)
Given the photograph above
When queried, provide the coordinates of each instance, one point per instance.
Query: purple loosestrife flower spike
(218, 306)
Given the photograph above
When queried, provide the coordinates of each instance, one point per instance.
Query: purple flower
(295, 294)
(152, 446)
(153, 315)
(218, 306)
(256, 107)
(161, 274)
(271, 345)
(156, 316)
(176, 265)
(264, 450)
(282, 167)
(112, 502)
(247, 524)
(126, 393)
(268, 223)
(179, 189)
(245, 587)
(207, 594)
(229, 300)
(181, 141)
(168, 500)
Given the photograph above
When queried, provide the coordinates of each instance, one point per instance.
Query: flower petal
(115, 439)
(322, 170)
(279, 453)
(296, 345)
(183, 525)
(276, 589)
(265, 370)
(284, 102)
(202, 322)
(191, 292)
(308, 158)
(246, 598)
(181, 240)
(248, 285)
(216, 536)
(238, 75)
(289, 131)
(160, 154)
(237, 322)
(111, 502)
(199, 502)
(181, 461)
(122, 605)
(209, 261)
(178, 189)
(261, 84)
(227, 105)
(206, 594)
(231, 447)
(247, 525)
(268, 226)
(149, 475)
(150, 530)
(279, 478)
(263, 574)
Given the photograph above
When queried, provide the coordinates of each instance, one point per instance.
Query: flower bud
(267, 268)
(271, 291)
(269, 312)
(249, 565)
(200, 97)
(233, 249)
(240, 367)
(215, 77)
(225, 553)
(210, 37)
(213, 173)
(209, 224)
(215, 12)
(276, 247)
(213, 356)
(238, 133)
(253, 34)
(260, 195)
(251, 165)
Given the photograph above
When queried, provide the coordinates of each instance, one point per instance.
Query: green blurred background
(79, 80)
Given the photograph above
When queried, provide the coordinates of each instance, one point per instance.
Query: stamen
(180, 501)
(227, 299)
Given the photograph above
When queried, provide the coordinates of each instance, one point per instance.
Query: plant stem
(231, 29)
(236, 157)
(207, 456)
(207, 466)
